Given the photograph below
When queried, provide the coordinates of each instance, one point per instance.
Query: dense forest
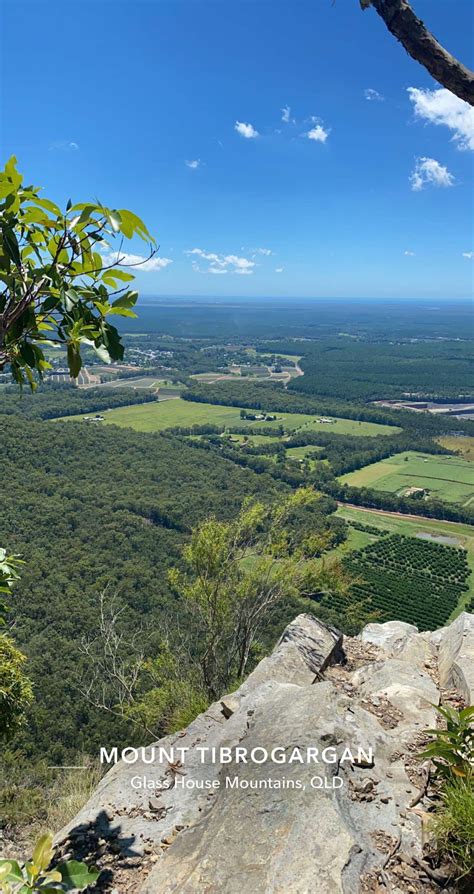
(345, 369)
(90, 508)
(269, 397)
(276, 320)
(65, 400)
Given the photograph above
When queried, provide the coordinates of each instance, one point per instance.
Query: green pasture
(449, 478)
(254, 440)
(138, 382)
(301, 452)
(159, 415)
(464, 446)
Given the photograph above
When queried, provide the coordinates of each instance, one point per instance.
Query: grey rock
(402, 641)
(230, 827)
(305, 649)
(390, 636)
(456, 656)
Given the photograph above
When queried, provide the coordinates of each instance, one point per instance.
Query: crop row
(409, 580)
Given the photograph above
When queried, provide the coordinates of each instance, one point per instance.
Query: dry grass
(71, 791)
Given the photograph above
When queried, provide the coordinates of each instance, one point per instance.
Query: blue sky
(353, 193)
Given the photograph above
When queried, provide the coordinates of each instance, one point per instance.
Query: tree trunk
(422, 46)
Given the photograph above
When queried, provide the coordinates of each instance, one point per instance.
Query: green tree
(15, 688)
(58, 285)
(239, 571)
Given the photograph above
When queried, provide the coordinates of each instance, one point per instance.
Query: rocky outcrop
(456, 656)
(303, 781)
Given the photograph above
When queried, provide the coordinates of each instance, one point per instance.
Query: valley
(127, 464)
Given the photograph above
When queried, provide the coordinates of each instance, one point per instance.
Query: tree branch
(422, 46)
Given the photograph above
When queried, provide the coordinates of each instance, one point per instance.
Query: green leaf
(12, 173)
(50, 303)
(132, 224)
(115, 220)
(122, 312)
(103, 353)
(27, 353)
(86, 213)
(74, 360)
(77, 875)
(11, 246)
(6, 188)
(48, 206)
(73, 295)
(14, 873)
(43, 851)
(122, 275)
(129, 300)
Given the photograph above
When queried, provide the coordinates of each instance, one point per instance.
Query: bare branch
(422, 46)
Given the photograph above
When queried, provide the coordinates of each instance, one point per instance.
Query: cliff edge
(241, 812)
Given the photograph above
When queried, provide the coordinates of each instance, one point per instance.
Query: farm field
(463, 535)
(160, 415)
(139, 382)
(465, 446)
(294, 357)
(449, 478)
(411, 579)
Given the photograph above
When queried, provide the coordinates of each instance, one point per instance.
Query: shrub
(38, 874)
(452, 749)
(15, 689)
(453, 826)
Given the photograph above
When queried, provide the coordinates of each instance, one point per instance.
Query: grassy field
(255, 440)
(301, 452)
(138, 382)
(294, 357)
(157, 416)
(449, 478)
(465, 446)
(462, 534)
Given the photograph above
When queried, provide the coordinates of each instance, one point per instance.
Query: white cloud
(428, 170)
(142, 264)
(65, 145)
(285, 114)
(373, 95)
(279, 269)
(222, 263)
(317, 133)
(264, 251)
(440, 106)
(409, 254)
(468, 254)
(193, 163)
(246, 130)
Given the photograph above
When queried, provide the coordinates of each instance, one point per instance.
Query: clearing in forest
(462, 445)
(159, 415)
(448, 478)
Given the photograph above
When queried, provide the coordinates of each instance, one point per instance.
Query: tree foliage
(15, 689)
(238, 572)
(58, 286)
